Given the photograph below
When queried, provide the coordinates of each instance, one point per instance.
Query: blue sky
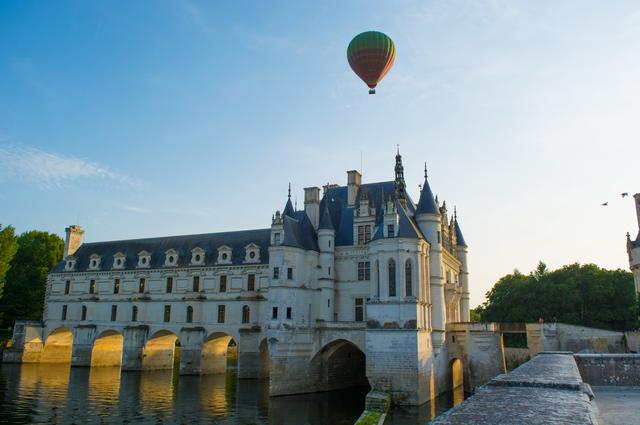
(150, 118)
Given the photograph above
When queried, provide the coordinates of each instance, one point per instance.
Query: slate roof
(299, 232)
(209, 242)
(325, 219)
(459, 238)
(426, 204)
(336, 199)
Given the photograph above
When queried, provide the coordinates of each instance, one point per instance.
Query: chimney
(637, 198)
(73, 239)
(312, 204)
(353, 183)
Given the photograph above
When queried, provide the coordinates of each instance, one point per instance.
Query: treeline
(25, 261)
(577, 294)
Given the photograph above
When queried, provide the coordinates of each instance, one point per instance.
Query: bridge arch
(161, 351)
(58, 346)
(107, 349)
(339, 364)
(218, 349)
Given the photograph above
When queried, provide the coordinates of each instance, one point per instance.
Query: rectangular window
(289, 273)
(64, 312)
(390, 231)
(289, 313)
(134, 314)
(92, 286)
(116, 286)
(223, 283)
(274, 313)
(141, 285)
(276, 272)
(169, 285)
(251, 282)
(276, 238)
(438, 237)
(83, 316)
(114, 313)
(196, 284)
(67, 286)
(221, 314)
(364, 270)
(359, 310)
(364, 234)
(167, 313)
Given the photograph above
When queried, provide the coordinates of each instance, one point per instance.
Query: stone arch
(339, 364)
(58, 346)
(107, 349)
(217, 349)
(161, 351)
(456, 372)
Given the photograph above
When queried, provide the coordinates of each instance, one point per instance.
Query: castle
(362, 286)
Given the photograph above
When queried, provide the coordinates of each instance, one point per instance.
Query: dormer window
(197, 256)
(94, 262)
(144, 259)
(119, 260)
(171, 258)
(224, 255)
(70, 264)
(252, 253)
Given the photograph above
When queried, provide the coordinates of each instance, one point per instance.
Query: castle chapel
(363, 286)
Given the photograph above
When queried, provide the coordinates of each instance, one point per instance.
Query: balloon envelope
(371, 55)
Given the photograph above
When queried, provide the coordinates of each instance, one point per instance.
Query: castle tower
(461, 250)
(429, 221)
(326, 243)
(633, 248)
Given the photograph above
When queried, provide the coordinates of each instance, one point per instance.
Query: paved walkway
(617, 405)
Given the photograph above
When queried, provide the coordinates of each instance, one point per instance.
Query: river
(49, 393)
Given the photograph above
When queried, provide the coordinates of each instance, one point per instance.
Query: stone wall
(609, 369)
(564, 337)
(547, 389)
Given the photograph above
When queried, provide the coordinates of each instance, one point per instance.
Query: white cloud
(48, 170)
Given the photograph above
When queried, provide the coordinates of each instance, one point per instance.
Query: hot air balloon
(371, 55)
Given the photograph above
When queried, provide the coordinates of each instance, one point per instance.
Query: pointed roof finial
(398, 149)
(425, 170)
(455, 213)
(289, 194)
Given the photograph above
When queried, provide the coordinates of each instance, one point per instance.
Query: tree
(24, 291)
(8, 248)
(577, 294)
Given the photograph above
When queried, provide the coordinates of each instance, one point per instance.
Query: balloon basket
(372, 91)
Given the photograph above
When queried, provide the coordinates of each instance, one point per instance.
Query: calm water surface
(61, 394)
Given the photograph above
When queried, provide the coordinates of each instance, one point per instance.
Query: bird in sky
(624, 194)
(605, 204)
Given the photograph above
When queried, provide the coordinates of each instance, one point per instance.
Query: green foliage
(8, 248)
(371, 418)
(474, 314)
(24, 291)
(577, 294)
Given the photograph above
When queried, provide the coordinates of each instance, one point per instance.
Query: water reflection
(57, 393)
(411, 415)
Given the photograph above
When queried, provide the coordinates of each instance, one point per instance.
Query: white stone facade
(633, 248)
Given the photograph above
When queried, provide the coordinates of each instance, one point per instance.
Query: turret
(429, 220)
(73, 239)
(326, 277)
(461, 250)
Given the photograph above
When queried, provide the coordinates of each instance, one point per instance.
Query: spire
(426, 204)
(399, 183)
(459, 238)
(288, 208)
(325, 218)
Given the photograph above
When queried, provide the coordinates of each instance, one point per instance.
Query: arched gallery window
(246, 314)
(407, 279)
(392, 278)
